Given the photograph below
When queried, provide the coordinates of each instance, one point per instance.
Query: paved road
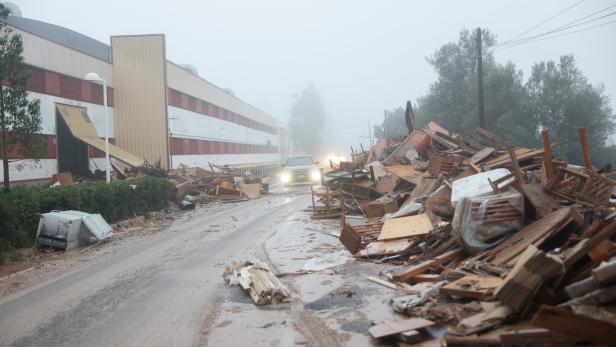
(162, 290)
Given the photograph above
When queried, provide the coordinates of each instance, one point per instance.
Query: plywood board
(472, 286)
(393, 328)
(403, 227)
(252, 190)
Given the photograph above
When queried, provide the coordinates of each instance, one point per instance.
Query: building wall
(61, 59)
(54, 68)
(181, 80)
(140, 96)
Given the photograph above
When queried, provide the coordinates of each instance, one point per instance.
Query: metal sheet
(97, 226)
(78, 122)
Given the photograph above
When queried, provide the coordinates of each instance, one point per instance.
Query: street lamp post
(94, 77)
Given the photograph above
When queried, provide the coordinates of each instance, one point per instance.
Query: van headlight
(315, 175)
(285, 177)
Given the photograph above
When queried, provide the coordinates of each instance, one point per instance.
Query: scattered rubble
(496, 244)
(257, 281)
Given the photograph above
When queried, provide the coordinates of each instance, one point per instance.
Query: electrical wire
(564, 27)
(555, 36)
(545, 21)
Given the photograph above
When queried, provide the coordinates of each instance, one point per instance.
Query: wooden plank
(403, 227)
(547, 155)
(584, 327)
(531, 234)
(424, 266)
(432, 278)
(585, 149)
(543, 202)
(388, 329)
(515, 165)
(472, 286)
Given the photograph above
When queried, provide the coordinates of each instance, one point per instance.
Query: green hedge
(20, 209)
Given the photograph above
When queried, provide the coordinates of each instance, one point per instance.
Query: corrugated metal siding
(51, 56)
(184, 81)
(140, 104)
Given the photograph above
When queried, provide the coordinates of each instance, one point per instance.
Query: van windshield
(299, 161)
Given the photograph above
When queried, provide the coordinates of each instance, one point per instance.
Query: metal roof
(63, 36)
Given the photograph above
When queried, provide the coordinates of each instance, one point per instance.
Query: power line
(555, 36)
(547, 20)
(566, 26)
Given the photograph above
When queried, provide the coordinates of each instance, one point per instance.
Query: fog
(364, 56)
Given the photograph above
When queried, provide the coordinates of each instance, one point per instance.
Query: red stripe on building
(190, 103)
(183, 146)
(52, 83)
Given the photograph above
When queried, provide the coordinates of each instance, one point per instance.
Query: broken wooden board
(388, 329)
(480, 156)
(562, 319)
(522, 154)
(417, 140)
(258, 282)
(424, 266)
(386, 184)
(472, 286)
(405, 172)
(251, 190)
(383, 248)
(404, 227)
(543, 202)
(522, 282)
(532, 234)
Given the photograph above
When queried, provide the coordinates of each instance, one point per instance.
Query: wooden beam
(515, 165)
(547, 155)
(424, 266)
(584, 327)
(585, 149)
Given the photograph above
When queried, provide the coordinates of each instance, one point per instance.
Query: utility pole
(482, 119)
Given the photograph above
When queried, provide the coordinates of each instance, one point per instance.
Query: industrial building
(160, 113)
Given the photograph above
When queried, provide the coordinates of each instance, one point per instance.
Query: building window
(36, 83)
(194, 146)
(176, 98)
(70, 87)
(96, 92)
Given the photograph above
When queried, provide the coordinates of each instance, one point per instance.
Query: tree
(306, 119)
(20, 118)
(393, 126)
(562, 100)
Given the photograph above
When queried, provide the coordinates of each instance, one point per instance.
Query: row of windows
(195, 147)
(179, 99)
(47, 82)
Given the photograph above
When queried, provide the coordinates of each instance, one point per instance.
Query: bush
(21, 208)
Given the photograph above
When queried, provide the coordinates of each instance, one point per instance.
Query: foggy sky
(364, 56)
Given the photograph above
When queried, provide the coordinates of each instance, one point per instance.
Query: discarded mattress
(70, 229)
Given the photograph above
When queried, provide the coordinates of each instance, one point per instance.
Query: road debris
(257, 281)
(482, 237)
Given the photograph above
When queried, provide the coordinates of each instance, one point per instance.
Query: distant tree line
(556, 97)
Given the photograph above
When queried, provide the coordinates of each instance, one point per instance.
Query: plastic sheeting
(476, 230)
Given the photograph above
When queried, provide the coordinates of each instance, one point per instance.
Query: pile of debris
(491, 244)
(221, 183)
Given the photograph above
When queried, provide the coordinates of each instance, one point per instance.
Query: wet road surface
(167, 289)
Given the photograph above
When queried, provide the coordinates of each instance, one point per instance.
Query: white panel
(21, 170)
(185, 82)
(48, 113)
(51, 56)
(188, 124)
(224, 159)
